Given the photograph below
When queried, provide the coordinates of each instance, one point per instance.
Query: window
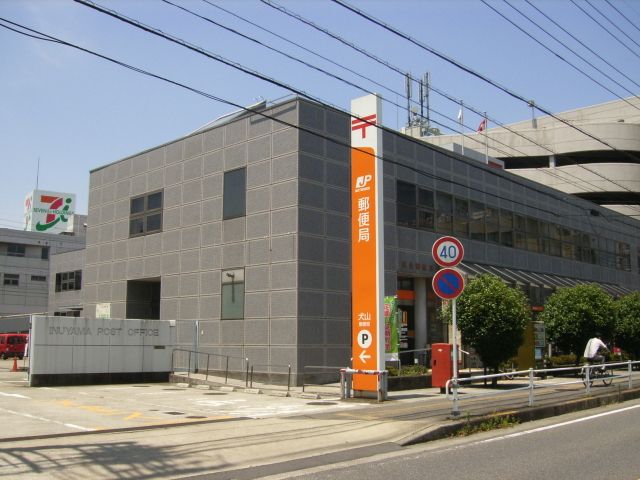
(232, 304)
(406, 205)
(444, 212)
(476, 221)
(234, 197)
(66, 281)
(492, 224)
(38, 278)
(426, 213)
(461, 217)
(44, 255)
(15, 250)
(506, 228)
(11, 279)
(533, 233)
(145, 214)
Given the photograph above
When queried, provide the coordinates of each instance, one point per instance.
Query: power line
(604, 28)
(622, 15)
(331, 75)
(612, 23)
(582, 43)
(420, 44)
(568, 48)
(392, 67)
(324, 137)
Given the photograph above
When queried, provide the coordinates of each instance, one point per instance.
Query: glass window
(406, 193)
(492, 224)
(232, 301)
(66, 281)
(406, 215)
(444, 212)
(11, 279)
(146, 214)
(15, 250)
(426, 219)
(532, 235)
(44, 254)
(461, 217)
(506, 228)
(425, 198)
(38, 278)
(476, 221)
(234, 194)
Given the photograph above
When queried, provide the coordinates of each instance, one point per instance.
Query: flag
(460, 116)
(483, 125)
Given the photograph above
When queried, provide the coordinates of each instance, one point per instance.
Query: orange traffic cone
(15, 364)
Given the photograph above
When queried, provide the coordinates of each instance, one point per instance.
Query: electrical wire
(416, 170)
(604, 28)
(582, 43)
(420, 44)
(568, 48)
(612, 23)
(291, 14)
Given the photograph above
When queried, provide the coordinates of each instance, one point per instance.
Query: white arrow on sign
(362, 356)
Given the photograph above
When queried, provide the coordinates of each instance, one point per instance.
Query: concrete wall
(67, 350)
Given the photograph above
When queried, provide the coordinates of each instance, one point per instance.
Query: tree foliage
(492, 317)
(628, 323)
(573, 315)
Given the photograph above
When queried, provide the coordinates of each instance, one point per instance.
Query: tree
(628, 323)
(491, 317)
(573, 315)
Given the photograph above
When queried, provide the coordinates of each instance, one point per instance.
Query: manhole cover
(321, 403)
(174, 413)
(195, 416)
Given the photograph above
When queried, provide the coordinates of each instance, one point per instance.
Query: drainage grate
(214, 393)
(174, 413)
(141, 386)
(172, 389)
(322, 403)
(195, 416)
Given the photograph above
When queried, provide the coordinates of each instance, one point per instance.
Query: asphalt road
(593, 444)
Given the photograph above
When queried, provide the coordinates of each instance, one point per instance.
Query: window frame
(234, 199)
(11, 279)
(142, 215)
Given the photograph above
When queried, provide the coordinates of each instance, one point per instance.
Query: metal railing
(581, 374)
(270, 367)
(223, 359)
(424, 359)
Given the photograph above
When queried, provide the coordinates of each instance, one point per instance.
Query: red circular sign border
(442, 272)
(439, 242)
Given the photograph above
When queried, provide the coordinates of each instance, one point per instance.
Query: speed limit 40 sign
(447, 251)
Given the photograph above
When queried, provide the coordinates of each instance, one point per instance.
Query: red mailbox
(441, 364)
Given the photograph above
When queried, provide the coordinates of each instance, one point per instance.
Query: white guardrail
(585, 374)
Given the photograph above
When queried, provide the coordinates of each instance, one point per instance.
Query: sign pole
(454, 411)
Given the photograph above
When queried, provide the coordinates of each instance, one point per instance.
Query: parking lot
(30, 411)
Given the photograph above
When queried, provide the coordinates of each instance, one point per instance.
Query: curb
(526, 414)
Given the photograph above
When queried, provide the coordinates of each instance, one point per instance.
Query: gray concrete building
(24, 268)
(241, 232)
(569, 157)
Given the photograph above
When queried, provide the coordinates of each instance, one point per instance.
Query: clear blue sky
(75, 112)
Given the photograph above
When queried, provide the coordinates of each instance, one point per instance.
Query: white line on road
(556, 425)
(16, 395)
(27, 415)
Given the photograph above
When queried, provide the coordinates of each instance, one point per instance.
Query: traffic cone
(15, 364)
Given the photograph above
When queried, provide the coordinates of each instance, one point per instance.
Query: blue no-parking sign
(448, 283)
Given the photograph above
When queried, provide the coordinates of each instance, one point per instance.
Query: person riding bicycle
(593, 348)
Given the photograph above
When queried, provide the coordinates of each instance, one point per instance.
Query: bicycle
(596, 372)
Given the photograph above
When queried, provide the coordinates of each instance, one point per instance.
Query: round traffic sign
(448, 283)
(447, 251)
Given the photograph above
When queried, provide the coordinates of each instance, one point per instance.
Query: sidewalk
(241, 434)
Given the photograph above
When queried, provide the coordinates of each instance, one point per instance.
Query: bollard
(629, 373)
(531, 387)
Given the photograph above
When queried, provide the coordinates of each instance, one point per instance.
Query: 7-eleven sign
(49, 212)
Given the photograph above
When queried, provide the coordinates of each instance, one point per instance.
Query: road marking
(14, 395)
(557, 425)
(48, 420)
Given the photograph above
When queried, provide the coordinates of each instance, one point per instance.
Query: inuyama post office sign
(48, 212)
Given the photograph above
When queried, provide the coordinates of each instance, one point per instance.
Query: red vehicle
(13, 344)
